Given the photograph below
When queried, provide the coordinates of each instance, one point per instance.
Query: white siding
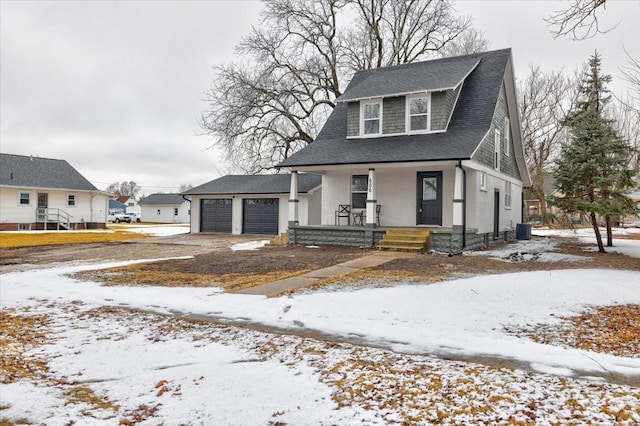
(149, 213)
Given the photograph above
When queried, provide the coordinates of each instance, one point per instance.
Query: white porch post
(293, 200)
(371, 199)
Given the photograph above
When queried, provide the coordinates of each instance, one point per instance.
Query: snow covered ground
(167, 371)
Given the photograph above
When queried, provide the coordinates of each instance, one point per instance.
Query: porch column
(371, 199)
(293, 200)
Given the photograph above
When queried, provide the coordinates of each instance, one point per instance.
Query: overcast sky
(115, 87)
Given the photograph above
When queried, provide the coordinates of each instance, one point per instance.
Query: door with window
(43, 205)
(429, 198)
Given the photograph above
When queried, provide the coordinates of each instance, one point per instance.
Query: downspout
(464, 210)
(186, 199)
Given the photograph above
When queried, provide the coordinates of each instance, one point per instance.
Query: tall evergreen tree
(592, 172)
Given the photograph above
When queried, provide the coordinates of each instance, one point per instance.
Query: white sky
(115, 88)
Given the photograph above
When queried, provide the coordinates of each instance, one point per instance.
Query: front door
(429, 198)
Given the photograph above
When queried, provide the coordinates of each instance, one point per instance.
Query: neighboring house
(435, 144)
(45, 193)
(116, 206)
(165, 208)
(130, 203)
(254, 204)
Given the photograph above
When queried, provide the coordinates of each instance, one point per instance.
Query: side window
(175, 211)
(371, 118)
(507, 137)
(483, 181)
(71, 200)
(496, 154)
(25, 198)
(359, 191)
(507, 195)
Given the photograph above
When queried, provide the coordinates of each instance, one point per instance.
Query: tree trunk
(609, 231)
(594, 223)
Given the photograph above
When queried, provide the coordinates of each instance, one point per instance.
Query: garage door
(260, 216)
(215, 215)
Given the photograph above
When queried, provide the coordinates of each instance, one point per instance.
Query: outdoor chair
(344, 211)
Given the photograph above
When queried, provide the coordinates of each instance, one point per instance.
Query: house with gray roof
(165, 208)
(434, 145)
(45, 193)
(254, 204)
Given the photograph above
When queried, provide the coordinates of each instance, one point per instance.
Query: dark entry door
(260, 216)
(429, 198)
(496, 215)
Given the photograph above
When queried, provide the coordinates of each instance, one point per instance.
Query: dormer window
(418, 107)
(371, 117)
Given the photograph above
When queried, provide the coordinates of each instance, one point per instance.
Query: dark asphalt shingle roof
(159, 198)
(36, 172)
(444, 73)
(470, 122)
(256, 184)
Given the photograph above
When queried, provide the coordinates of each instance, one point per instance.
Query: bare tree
(579, 20)
(626, 117)
(262, 110)
(184, 187)
(124, 188)
(470, 41)
(544, 101)
(631, 73)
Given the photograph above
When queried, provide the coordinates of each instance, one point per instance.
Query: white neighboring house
(165, 208)
(44, 193)
(130, 203)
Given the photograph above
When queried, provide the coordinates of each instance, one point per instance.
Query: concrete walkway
(305, 280)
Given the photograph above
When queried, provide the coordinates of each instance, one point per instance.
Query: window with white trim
(496, 153)
(507, 195)
(371, 117)
(359, 191)
(25, 198)
(418, 107)
(507, 137)
(71, 200)
(483, 181)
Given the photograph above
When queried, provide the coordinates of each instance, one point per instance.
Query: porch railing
(57, 216)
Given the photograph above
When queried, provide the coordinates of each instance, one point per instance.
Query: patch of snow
(250, 245)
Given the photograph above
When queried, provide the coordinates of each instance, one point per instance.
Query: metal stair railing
(57, 216)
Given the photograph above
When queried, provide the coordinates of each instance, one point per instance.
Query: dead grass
(11, 240)
(611, 329)
(18, 335)
(141, 275)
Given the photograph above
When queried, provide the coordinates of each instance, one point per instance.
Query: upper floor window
(71, 200)
(371, 117)
(418, 111)
(496, 153)
(25, 198)
(507, 139)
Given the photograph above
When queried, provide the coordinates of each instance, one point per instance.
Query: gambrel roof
(36, 172)
(469, 124)
(256, 184)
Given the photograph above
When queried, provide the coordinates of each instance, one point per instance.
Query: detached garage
(256, 204)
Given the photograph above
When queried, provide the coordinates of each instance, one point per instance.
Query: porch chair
(344, 210)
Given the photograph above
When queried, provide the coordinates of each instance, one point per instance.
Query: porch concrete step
(406, 240)
(279, 240)
(417, 249)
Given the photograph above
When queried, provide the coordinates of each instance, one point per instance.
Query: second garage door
(260, 216)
